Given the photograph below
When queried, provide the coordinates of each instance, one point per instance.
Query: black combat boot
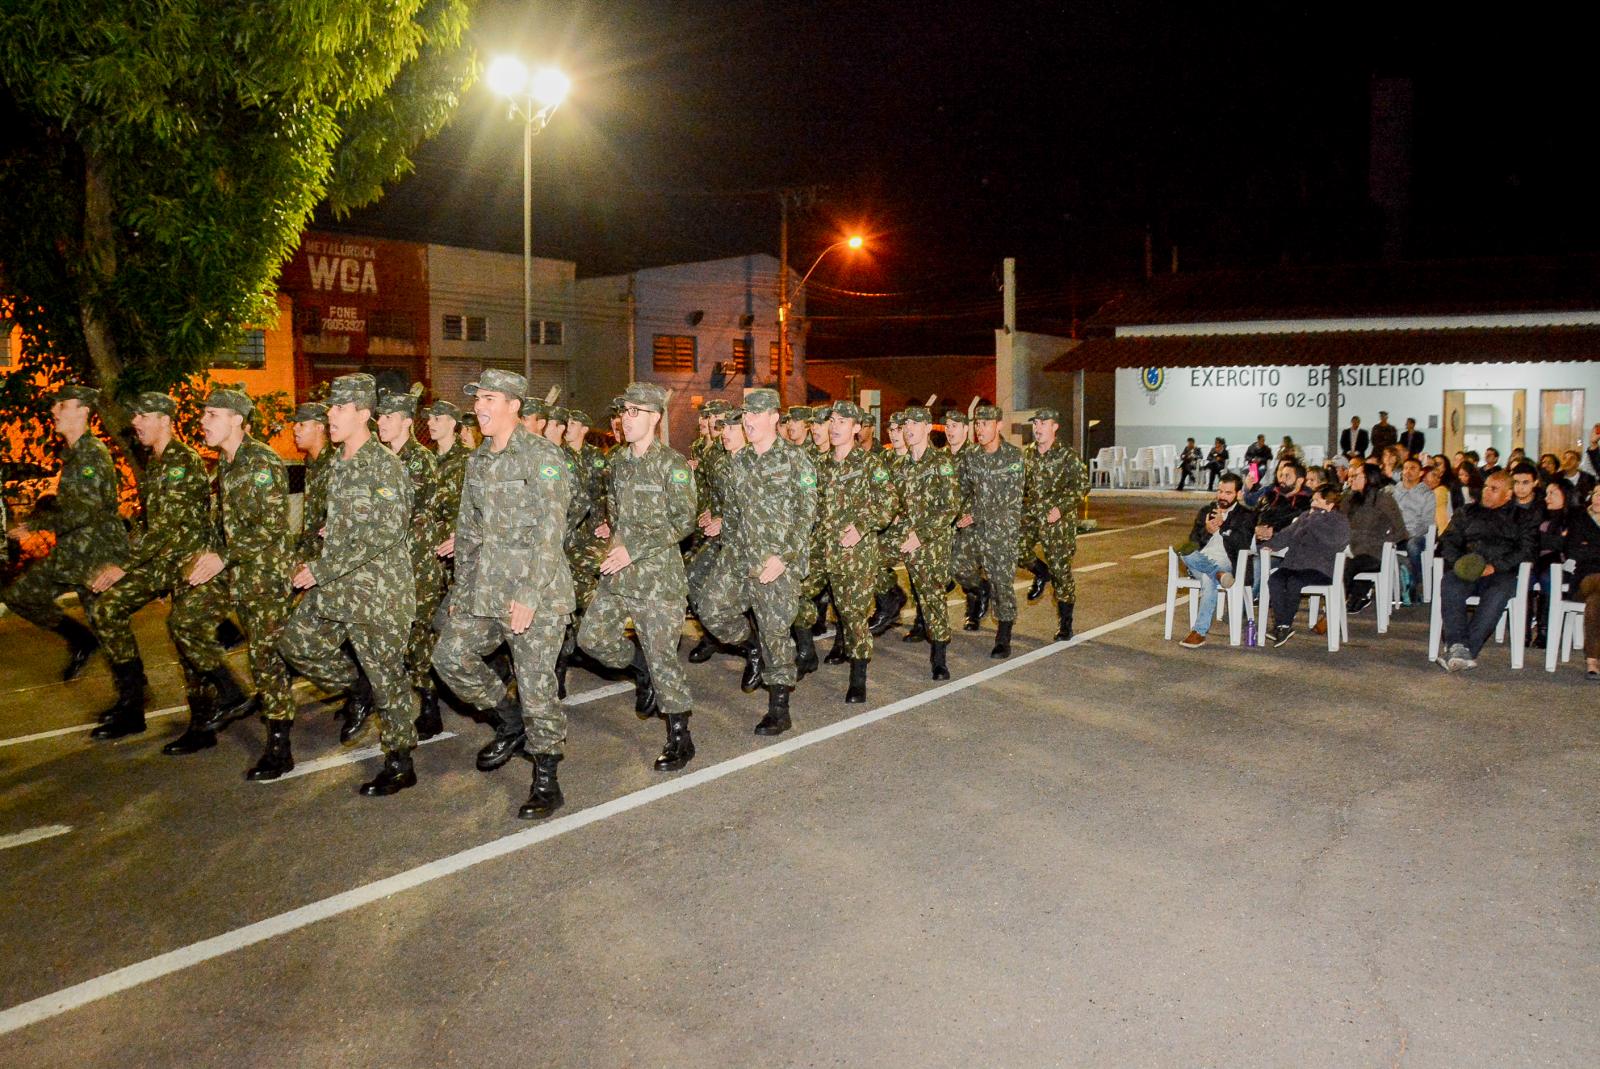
(936, 660)
(277, 758)
(193, 740)
(889, 604)
(509, 734)
(805, 651)
(680, 747)
(858, 682)
(1537, 615)
(545, 796)
(974, 617)
(229, 701)
(357, 707)
(776, 722)
(429, 722)
(1002, 641)
(644, 690)
(126, 717)
(81, 645)
(1064, 618)
(919, 627)
(702, 651)
(1041, 576)
(398, 773)
(821, 601)
(750, 681)
(836, 654)
(569, 647)
(985, 595)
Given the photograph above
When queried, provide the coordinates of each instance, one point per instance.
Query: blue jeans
(1414, 548)
(1492, 592)
(1206, 570)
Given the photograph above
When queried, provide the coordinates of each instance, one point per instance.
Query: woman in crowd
(1216, 462)
(1468, 485)
(1552, 548)
(1440, 479)
(1374, 520)
(1583, 549)
(1311, 544)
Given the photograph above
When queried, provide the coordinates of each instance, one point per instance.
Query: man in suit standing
(1412, 438)
(1353, 439)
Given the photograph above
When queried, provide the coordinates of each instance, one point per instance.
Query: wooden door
(1453, 428)
(1519, 419)
(1560, 420)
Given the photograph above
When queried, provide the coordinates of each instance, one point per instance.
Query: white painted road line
(33, 835)
(69, 998)
(77, 728)
(1119, 530)
(1094, 567)
(598, 693)
(322, 764)
(1153, 553)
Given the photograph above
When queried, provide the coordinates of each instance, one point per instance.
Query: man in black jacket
(1412, 438)
(1353, 439)
(1481, 550)
(1383, 434)
(1221, 529)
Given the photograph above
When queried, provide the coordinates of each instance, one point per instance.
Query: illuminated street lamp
(534, 97)
(785, 305)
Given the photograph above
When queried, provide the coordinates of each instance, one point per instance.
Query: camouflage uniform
(365, 591)
(712, 484)
(995, 481)
(816, 580)
(856, 491)
(964, 540)
(314, 500)
(653, 500)
(508, 548)
(772, 503)
(928, 494)
(584, 548)
(1056, 479)
(427, 570)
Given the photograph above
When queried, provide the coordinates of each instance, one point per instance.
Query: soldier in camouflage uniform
(928, 494)
(396, 429)
(1054, 485)
(796, 428)
(83, 517)
(642, 575)
(818, 426)
(964, 542)
(246, 571)
(310, 422)
(888, 597)
(713, 484)
(535, 415)
(451, 453)
(854, 503)
(586, 545)
(996, 471)
(512, 586)
(361, 589)
(771, 506)
(175, 492)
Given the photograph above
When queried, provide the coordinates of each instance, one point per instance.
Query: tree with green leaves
(161, 160)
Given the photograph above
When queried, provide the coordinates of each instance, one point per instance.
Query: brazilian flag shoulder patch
(89, 472)
(550, 471)
(881, 475)
(384, 492)
(808, 479)
(947, 469)
(599, 462)
(174, 474)
(263, 478)
(1015, 466)
(680, 475)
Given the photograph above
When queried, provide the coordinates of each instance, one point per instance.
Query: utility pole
(800, 197)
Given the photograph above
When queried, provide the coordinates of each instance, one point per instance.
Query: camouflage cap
(498, 380)
(713, 406)
(76, 392)
(802, 413)
(988, 412)
(403, 403)
(761, 400)
(359, 389)
(729, 415)
(649, 395)
(310, 412)
(1045, 413)
(559, 415)
(445, 408)
(897, 419)
(232, 400)
(616, 405)
(153, 402)
(578, 415)
(783, 417)
(916, 414)
(535, 406)
(848, 410)
(954, 415)
(469, 419)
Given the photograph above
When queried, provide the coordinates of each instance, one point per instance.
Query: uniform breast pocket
(508, 503)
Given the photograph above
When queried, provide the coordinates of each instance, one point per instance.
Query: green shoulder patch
(550, 471)
(680, 475)
(89, 472)
(174, 474)
(599, 462)
(808, 479)
(947, 469)
(1016, 466)
(881, 475)
(384, 492)
(263, 478)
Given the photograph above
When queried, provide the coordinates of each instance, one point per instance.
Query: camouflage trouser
(853, 575)
(698, 566)
(730, 593)
(111, 615)
(658, 624)
(420, 643)
(583, 561)
(33, 597)
(261, 600)
(964, 553)
(929, 570)
(313, 646)
(1058, 543)
(995, 553)
(888, 553)
(815, 582)
(459, 660)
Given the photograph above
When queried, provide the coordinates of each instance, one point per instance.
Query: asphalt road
(1116, 852)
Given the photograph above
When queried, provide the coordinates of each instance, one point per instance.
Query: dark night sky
(957, 134)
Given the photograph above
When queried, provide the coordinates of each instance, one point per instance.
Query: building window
(740, 360)
(772, 357)
(477, 329)
(544, 332)
(250, 352)
(673, 352)
(451, 328)
(308, 318)
(383, 323)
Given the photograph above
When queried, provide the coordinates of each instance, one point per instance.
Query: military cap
(729, 415)
(535, 406)
(153, 401)
(713, 406)
(616, 405)
(954, 415)
(649, 395)
(310, 412)
(1045, 413)
(988, 412)
(558, 415)
(897, 419)
(232, 400)
(358, 388)
(404, 403)
(445, 408)
(783, 417)
(86, 394)
(848, 410)
(499, 381)
(1469, 568)
(916, 414)
(761, 400)
(469, 419)
(800, 412)
(578, 415)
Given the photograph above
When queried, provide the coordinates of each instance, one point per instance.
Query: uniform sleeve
(469, 536)
(86, 494)
(803, 512)
(1034, 499)
(882, 504)
(578, 499)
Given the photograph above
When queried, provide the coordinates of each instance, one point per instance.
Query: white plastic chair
(1236, 457)
(1100, 468)
(1232, 603)
(1316, 455)
(1429, 548)
(1564, 632)
(1167, 462)
(1515, 614)
(1141, 469)
(1331, 593)
(1386, 584)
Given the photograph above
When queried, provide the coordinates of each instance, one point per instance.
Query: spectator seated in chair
(1418, 508)
(1258, 453)
(1310, 545)
(1221, 529)
(1216, 462)
(1583, 549)
(1572, 471)
(1188, 463)
(1481, 549)
(1374, 520)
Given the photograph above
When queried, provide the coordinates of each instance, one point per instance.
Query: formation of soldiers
(489, 571)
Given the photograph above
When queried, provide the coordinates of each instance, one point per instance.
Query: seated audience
(1188, 461)
(1481, 550)
(1554, 518)
(1310, 546)
(1221, 530)
(1419, 509)
(1374, 521)
(1583, 549)
(1216, 462)
(1258, 453)
(1572, 471)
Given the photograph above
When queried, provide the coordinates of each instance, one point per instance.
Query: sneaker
(1458, 658)
(1225, 580)
(1280, 634)
(1360, 602)
(1194, 641)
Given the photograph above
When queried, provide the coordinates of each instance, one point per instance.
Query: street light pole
(527, 250)
(785, 306)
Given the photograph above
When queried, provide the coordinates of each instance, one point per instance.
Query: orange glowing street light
(854, 241)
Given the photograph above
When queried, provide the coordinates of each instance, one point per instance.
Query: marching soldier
(854, 503)
(713, 485)
(83, 517)
(467, 433)
(451, 453)
(818, 426)
(534, 415)
(888, 598)
(310, 422)
(361, 590)
(246, 571)
(512, 586)
(796, 427)
(1054, 486)
(642, 575)
(771, 507)
(929, 492)
(586, 543)
(963, 544)
(175, 491)
(996, 471)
